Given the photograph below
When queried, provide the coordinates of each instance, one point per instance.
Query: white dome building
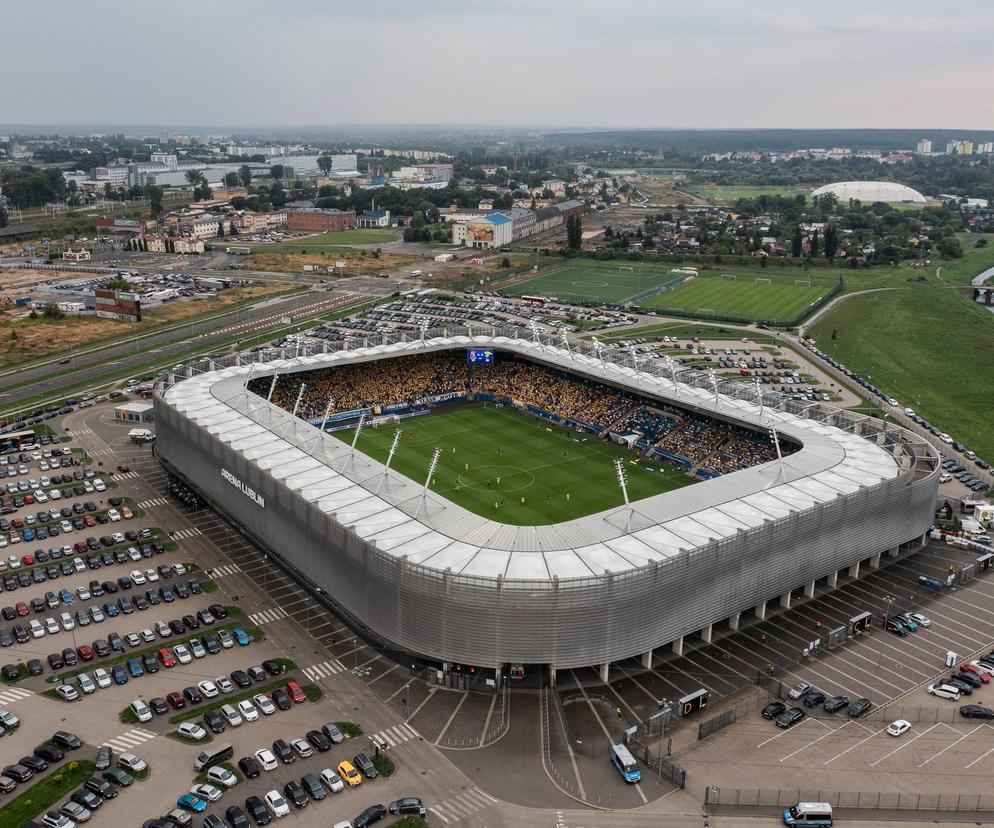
(870, 191)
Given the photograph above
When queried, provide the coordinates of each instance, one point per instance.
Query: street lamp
(888, 602)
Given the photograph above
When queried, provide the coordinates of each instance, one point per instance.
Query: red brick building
(319, 221)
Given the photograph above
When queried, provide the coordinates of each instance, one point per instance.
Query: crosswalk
(267, 616)
(79, 432)
(100, 452)
(186, 534)
(397, 735)
(13, 694)
(462, 805)
(324, 669)
(128, 474)
(130, 740)
(225, 571)
(155, 501)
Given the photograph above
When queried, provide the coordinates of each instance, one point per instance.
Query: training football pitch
(773, 298)
(514, 468)
(586, 280)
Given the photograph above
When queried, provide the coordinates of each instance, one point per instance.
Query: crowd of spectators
(712, 446)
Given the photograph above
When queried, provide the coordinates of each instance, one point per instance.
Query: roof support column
(833, 579)
(707, 633)
(605, 670)
(647, 659)
(678, 646)
(785, 599)
(761, 611)
(733, 621)
(875, 561)
(854, 570)
(893, 553)
(552, 675)
(809, 589)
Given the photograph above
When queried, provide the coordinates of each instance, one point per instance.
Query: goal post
(728, 277)
(761, 281)
(802, 283)
(626, 268)
(705, 312)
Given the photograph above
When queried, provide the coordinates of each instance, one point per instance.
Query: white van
(944, 691)
(808, 813)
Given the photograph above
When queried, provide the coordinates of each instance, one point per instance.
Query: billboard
(118, 304)
(480, 232)
(120, 225)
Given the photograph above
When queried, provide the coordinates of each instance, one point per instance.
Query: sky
(578, 63)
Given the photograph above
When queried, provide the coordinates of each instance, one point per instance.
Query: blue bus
(623, 760)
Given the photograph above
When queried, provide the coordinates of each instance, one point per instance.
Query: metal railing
(771, 800)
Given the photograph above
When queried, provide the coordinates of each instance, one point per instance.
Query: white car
(37, 630)
(151, 575)
(102, 678)
(266, 759)
(66, 527)
(197, 648)
(277, 804)
(86, 684)
(265, 705)
(114, 515)
(898, 727)
(248, 711)
(919, 619)
(99, 485)
(799, 689)
(179, 569)
(231, 717)
(208, 688)
(40, 496)
(945, 477)
(944, 691)
(222, 776)
(141, 710)
(83, 593)
(191, 730)
(67, 692)
(137, 577)
(182, 654)
(134, 554)
(118, 537)
(147, 635)
(227, 642)
(51, 625)
(206, 792)
(946, 438)
(132, 762)
(162, 628)
(332, 780)
(983, 668)
(224, 684)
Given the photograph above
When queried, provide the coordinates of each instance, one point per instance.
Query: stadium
(870, 191)
(743, 496)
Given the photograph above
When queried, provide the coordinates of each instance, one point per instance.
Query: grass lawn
(929, 347)
(684, 330)
(538, 464)
(42, 795)
(719, 194)
(780, 299)
(587, 280)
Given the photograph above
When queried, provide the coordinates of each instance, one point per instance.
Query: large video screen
(480, 356)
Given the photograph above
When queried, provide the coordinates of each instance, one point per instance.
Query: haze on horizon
(628, 63)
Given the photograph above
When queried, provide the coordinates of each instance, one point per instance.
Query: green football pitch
(591, 281)
(514, 468)
(773, 298)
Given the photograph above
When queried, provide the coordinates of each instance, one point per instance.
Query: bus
(623, 760)
(533, 300)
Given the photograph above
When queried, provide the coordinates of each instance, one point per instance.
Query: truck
(238, 251)
(141, 435)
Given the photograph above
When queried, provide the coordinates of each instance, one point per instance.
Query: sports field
(766, 298)
(512, 467)
(587, 280)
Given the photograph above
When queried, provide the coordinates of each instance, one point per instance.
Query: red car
(980, 674)
(28, 560)
(17, 523)
(167, 658)
(176, 701)
(29, 499)
(80, 546)
(295, 692)
(89, 520)
(22, 608)
(122, 468)
(85, 652)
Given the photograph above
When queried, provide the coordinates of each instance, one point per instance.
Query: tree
(949, 248)
(831, 241)
(276, 171)
(220, 229)
(795, 243)
(231, 179)
(574, 232)
(154, 195)
(325, 163)
(505, 262)
(194, 177)
(3, 216)
(245, 175)
(814, 244)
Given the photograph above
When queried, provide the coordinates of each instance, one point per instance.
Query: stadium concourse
(695, 444)
(380, 547)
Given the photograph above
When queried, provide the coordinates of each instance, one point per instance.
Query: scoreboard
(480, 356)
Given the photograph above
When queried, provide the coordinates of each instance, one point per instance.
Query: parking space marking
(960, 739)
(852, 747)
(974, 762)
(831, 732)
(906, 743)
(786, 730)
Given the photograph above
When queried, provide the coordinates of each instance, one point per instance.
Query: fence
(742, 708)
(661, 763)
(730, 800)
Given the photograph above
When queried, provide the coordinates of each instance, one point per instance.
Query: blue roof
(375, 213)
(497, 218)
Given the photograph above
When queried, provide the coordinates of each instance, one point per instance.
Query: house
(374, 218)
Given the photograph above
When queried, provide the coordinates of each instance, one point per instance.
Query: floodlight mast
(759, 394)
(300, 397)
(566, 345)
(714, 384)
(327, 413)
(776, 445)
(619, 467)
(390, 454)
(431, 473)
(272, 385)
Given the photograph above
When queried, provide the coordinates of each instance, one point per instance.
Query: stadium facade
(425, 577)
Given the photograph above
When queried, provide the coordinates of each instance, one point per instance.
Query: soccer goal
(626, 268)
(802, 283)
(764, 281)
(705, 312)
(728, 277)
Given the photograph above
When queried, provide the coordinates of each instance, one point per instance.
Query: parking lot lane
(851, 748)
(832, 733)
(953, 744)
(907, 743)
(791, 731)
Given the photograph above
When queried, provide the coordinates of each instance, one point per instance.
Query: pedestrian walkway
(324, 669)
(128, 474)
(397, 735)
(13, 694)
(186, 534)
(79, 432)
(462, 805)
(130, 740)
(224, 571)
(155, 501)
(267, 616)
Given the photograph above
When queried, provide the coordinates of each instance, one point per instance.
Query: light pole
(888, 602)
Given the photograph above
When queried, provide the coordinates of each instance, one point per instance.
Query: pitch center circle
(512, 478)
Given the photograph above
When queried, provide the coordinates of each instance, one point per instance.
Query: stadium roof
(871, 191)
(401, 518)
